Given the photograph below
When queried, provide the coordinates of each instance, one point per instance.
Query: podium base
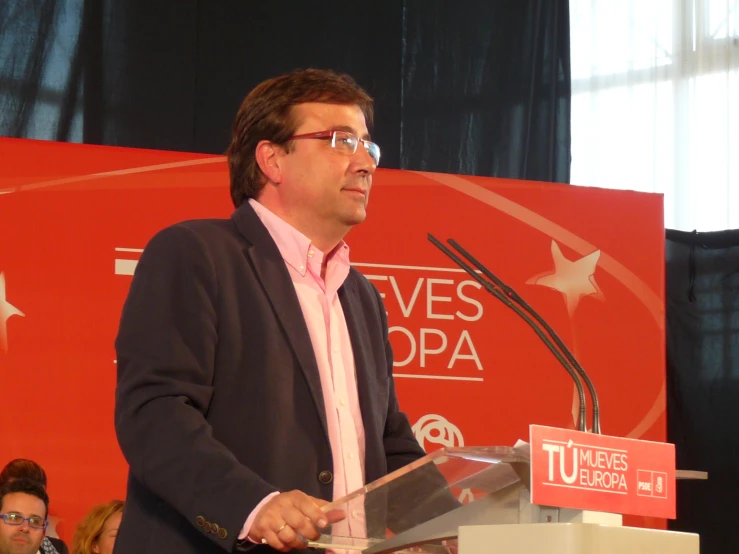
(573, 538)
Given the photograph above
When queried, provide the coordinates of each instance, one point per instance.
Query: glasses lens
(373, 150)
(37, 523)
(345, 142)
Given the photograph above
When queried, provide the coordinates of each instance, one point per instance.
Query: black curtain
(702, 303)
(486, 88)
(477, 87)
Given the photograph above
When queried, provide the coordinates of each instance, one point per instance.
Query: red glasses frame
(372, 148)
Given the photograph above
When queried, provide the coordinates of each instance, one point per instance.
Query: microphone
(551, 339)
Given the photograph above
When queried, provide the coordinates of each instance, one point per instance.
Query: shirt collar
(296, 249)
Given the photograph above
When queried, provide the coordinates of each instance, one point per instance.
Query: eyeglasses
(34, 522)
(344, 142)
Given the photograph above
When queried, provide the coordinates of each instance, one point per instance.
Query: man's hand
(289, 519)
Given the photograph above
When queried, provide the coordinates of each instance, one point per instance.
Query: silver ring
(281, 528)
(264, 541)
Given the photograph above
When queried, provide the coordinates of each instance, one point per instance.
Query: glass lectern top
(420, 493)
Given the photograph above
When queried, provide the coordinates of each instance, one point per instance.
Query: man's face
(321, 186)
(21, 539)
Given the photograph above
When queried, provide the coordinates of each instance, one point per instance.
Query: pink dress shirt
(329, 335)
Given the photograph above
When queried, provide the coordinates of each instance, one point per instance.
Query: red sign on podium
(572, 469)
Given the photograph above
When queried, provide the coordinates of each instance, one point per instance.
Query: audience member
(97, 532)
(23, 469)
(24, 507)
(28, 469)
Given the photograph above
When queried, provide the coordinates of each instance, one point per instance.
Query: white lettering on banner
(464, 338)
(463, 342)
(411, 339)
(433, 347)
(587, 467)
(425, 332)
(406, 310)
(602, 459)
(424, 344)
(465, 298)
(430, 298)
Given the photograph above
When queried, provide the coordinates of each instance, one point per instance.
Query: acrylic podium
(474, 501)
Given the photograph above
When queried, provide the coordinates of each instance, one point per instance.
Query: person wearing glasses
(254, 368)
(21, 468)
(24, 506)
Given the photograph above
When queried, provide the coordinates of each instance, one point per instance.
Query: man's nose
(364, 160)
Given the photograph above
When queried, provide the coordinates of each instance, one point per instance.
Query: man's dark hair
(23, 469)
(267, 114)
(26, 486)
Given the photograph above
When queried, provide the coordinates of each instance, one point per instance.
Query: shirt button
(310, 253)
(351, 455)
(301, 268)
(342, 402)
(355, 514)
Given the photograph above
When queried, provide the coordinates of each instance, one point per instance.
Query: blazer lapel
(367, 388)
(274, 277)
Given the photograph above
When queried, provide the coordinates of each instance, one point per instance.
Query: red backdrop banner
(468, 371)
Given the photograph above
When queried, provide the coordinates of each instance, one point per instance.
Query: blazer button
(200, 520)
(222, 533)
(214, 529)
(207, 526)
(325, 477)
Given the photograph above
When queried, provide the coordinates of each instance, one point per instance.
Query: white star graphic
(7, 310)
(574, 279)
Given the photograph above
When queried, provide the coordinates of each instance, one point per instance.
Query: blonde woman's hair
(90, 528)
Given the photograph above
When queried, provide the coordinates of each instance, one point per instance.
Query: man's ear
(268, 156)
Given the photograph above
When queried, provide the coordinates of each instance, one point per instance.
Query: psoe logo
(651, 483)
(433, 429)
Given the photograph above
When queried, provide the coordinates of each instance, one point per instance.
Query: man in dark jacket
(254, 368)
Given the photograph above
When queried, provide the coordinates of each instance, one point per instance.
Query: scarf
(47, 547)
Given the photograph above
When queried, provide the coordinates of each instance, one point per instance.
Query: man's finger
(335, 515)
(289, 537)
(312, 511)
(304, 526)
(271, 538)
